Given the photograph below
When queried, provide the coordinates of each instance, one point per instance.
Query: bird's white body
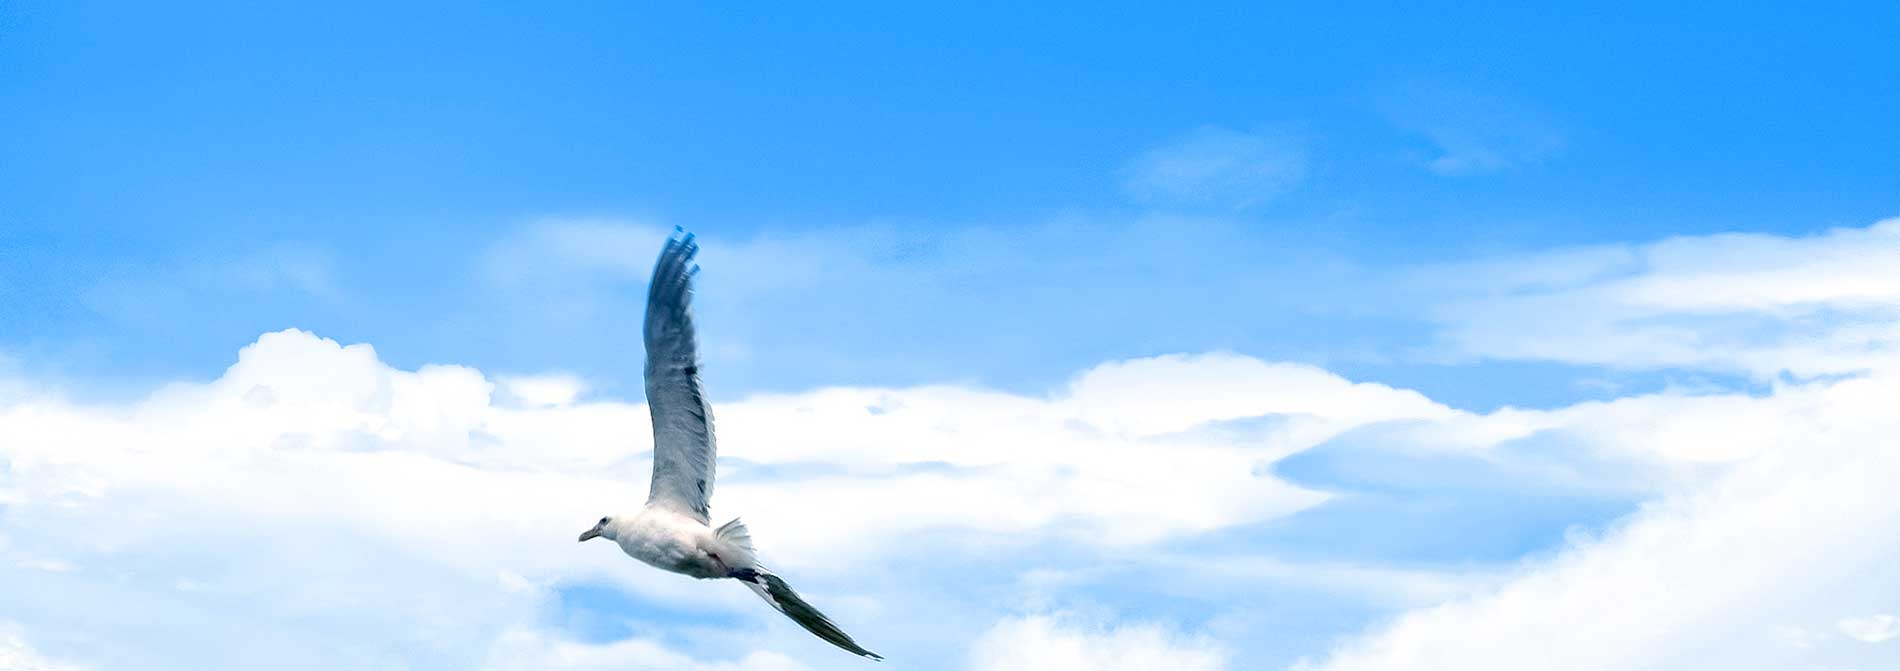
(670, 541)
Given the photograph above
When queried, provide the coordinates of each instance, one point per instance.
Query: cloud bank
(315, 507)
(1774, 560)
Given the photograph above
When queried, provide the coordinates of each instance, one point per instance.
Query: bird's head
(603, 528)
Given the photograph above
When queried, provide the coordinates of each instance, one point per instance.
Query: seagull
(673, 532)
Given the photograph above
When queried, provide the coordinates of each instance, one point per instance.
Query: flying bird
(674, 530)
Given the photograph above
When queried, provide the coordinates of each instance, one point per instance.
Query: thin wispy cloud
(1870, 628)
(1219, 168)
(777, 301)
(287, 271)
(1760, 305)
(1470, 133)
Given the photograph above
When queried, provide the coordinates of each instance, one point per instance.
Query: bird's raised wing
(683, 449)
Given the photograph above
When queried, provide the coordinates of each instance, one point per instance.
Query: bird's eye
(603, 521)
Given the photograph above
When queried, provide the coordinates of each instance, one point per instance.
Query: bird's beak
(588, 534)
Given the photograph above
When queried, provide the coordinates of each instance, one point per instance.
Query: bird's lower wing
(774, 590)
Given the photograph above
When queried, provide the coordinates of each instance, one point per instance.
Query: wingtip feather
(787, 601)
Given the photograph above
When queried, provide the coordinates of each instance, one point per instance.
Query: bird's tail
(738, 551)
(774, 590)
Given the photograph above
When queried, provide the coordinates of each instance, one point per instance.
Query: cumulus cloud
(1216, 166)
(1111, 461)
(311, 479)
(1711, 577)
(1059, 643)
(1772, 515)
(420, 514)
(540, 391)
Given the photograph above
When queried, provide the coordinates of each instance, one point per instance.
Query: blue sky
(1447, 302)
(382, 151)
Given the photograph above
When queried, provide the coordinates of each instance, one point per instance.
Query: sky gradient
(1105, 336)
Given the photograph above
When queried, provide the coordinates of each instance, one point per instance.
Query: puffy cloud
(420, 515)
(541, 391)
(427, 515)
(1773, 514)
(1112, 461)
(1168, 394)
(1714, 576)
(1674, 428)
(1062, 644)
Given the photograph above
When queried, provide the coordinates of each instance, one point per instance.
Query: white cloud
(777, 303)
(418, 515)
(1397, 587)
(1745, 303)
(612, 246)
(1871, 628)
(17, 655)
(1113, 461)
(153, 294)
(1744, 566)
(426, 517)
(1054, 643)
(541, 391)
(1172, 393)
(1710, 578)
(1672, 427)
(283, 266)
(1219, 167)
(531, 650)
(426, 514)
(49, 565)
(1472, 133)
